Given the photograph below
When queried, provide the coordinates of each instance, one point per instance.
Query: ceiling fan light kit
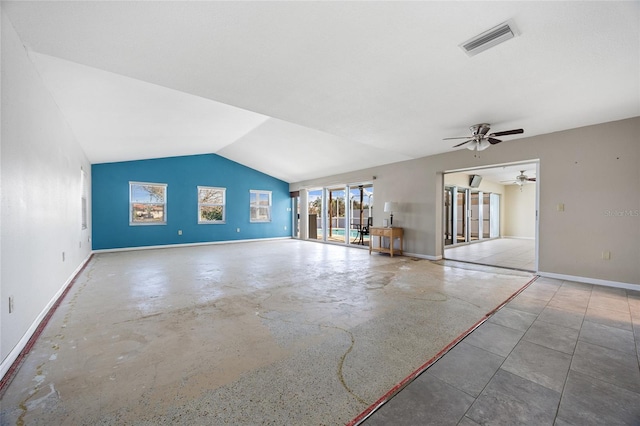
(481, 139)
(480, 145)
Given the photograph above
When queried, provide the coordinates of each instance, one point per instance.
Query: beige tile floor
(280, 332)
(515, 253)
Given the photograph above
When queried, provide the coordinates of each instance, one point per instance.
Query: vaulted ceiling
(301, 90)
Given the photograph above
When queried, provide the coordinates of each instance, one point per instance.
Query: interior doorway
(490, 216)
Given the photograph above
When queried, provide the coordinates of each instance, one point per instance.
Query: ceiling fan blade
(508, 132)
(460, 144)
(459, 137)
(493, 141)
(531, 179)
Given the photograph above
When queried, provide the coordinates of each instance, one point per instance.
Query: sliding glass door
(341, 214)
(469, 215)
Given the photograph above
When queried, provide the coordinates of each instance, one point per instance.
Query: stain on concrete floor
(279, 332)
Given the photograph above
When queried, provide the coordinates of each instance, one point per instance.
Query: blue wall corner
(110, 202)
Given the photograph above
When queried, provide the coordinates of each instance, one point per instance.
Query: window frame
(223, 204)
(132, 222)
(252, 205)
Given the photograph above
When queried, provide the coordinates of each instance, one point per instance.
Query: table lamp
(389, 207)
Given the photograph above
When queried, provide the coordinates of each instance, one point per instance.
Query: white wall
(592, 170)
(40, 213)
(520, 211)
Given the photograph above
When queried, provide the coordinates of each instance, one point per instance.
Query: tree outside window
(211, 204)
(147, 203)
(260, 202)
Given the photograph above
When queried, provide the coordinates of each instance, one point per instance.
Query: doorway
(495, 222)
(341, 214)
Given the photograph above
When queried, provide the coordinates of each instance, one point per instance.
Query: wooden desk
(391, 233)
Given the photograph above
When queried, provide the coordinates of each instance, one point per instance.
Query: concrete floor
(515, 253)
(560, 353)
(279, 332)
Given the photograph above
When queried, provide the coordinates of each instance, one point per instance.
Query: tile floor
(515, 253)
(560, 353)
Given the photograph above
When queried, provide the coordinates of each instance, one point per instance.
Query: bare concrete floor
(279, 332)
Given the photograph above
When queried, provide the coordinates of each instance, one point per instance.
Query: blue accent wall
(110, 202)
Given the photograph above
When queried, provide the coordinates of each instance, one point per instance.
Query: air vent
(490, 38)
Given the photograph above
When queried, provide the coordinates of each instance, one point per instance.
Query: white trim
(257, 206)
(164, 203)
(207, 243)
(223, 205)
(515, 237)
(15, 352)
(422, 256)
(588, 280)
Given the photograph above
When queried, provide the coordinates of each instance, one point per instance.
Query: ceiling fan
(521, 179)
(481, 139)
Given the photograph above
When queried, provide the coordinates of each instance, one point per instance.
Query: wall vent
(490, 38)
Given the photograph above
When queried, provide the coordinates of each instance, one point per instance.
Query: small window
(260, 206)
(147, 203)
(211, 204)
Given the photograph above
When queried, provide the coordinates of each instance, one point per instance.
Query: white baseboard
(206, 243)
(588, 280)
(422, 256)
(6, 363)
(515, 237)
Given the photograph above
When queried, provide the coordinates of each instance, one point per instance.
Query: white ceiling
(301, 90)
(504, 174)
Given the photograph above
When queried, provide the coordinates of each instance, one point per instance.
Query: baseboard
(206, 243)
(515, 237)
(422, 256)
(7, 363)
(588, 280)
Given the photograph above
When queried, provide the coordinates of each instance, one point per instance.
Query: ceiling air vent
(490, 38)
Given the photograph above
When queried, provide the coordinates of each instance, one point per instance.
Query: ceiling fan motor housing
(480, 129)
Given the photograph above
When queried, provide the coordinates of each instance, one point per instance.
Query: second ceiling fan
(481, 139)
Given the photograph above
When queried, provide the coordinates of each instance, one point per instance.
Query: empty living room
(320, 213)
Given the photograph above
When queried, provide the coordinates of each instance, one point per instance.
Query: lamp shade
(390, 206)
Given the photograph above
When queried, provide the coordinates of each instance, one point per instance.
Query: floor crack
(342, 358)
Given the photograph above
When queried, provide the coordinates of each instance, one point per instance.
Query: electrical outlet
(561, 207)
(237, 229)
(285, 228)
(606, 255)
(179, 231)
(11, 304)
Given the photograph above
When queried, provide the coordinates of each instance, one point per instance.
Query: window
(260, 206)
(147, 203)
(83, 197)
(211, 203)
